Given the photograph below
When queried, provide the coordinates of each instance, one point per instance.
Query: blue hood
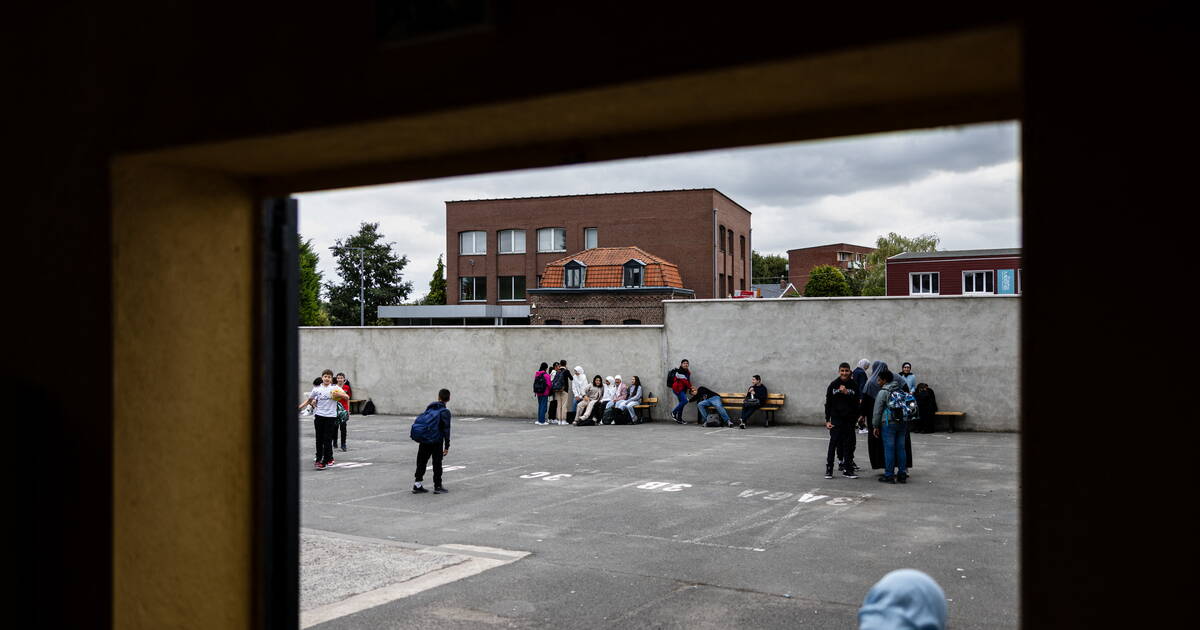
(904, 599)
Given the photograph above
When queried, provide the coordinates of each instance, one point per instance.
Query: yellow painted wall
(183, 243)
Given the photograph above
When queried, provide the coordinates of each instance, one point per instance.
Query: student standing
(560, 388)
(680, 381)
(874, 444)
(756, 397)
(860, 378)
(437, 447)
(541, 390)
(890, 430)
(345, 385)
(841, 412)
(324, 398)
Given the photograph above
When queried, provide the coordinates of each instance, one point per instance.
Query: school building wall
(965, 348)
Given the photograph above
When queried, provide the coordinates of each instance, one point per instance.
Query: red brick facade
(704, 232)
(841, 255)
(950, 267)
(612, 306)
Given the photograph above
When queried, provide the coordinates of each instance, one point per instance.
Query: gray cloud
(962, 184)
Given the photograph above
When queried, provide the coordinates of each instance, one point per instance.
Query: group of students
(680, 381)
(330, 402)
(855, 398)
(566, 397)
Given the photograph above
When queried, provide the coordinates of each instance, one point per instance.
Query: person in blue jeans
(541, 389)
(890, 430)
(680, 381)
(705, 399)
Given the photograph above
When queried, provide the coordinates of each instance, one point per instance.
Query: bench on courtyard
(648, 401)
(733, 402)
(950, 417)
(356, 406)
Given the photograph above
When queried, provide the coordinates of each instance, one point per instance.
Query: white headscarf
(610, 390)
(580, 384)
(863, 363)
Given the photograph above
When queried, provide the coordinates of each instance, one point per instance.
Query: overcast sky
(960, 183)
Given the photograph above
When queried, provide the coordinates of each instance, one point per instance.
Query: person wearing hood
(579, 387)
(904, 598)
(606, 396)
(893, 432)
(869, 391)
(926, 408)
(436, 449)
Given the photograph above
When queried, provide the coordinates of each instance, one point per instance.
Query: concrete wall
(965, 348)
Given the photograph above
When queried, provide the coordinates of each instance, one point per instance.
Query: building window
(591, 322)
(512, 241)
(472, 242)
(511, 288)
(591, 238)
(632, 322)
(554, 322)
(742, 242)
(843, 256)
(979, 282)
(721, 289)
(635, 273)
(742, 284)
(472, 289)
(730, 242)
(552, 240)
(721, 238)
(923, 283)
(574, 275)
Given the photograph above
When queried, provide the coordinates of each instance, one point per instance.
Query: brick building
(841, 255)
(960, 272)
(606, 285)
(497, 248)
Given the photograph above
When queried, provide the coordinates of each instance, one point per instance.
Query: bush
(826, 281)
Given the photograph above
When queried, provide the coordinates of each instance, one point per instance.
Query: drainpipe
(714, 254)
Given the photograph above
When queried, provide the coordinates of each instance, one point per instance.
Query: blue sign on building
(1006, 282)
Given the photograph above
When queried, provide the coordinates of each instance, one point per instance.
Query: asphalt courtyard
(648, 526)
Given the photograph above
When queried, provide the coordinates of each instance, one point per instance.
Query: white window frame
(625, 268)
(925, 273)
(474, 288)
(500, 281)
(552, 230)
(975, 271)
(594, 242)
(478, 242)
(513, 248)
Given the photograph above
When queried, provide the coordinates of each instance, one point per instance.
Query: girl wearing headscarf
(579, 387)
(610, 390)
(875, 444)
(860, 377)
(904, 598)
(633, 398)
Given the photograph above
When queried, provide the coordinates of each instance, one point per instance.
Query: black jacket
(703, 393)
(760, 393)
(839, 405)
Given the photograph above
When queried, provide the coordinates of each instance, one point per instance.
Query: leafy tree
(437, 285)
(382, 272)
(311, 313)
(767, 268)
(826, 281)
(875, 280)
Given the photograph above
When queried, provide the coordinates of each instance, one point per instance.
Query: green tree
(437, 285)
(768, 268)
(380, 270)
(875, 280)
(311, 313)
(826, 281)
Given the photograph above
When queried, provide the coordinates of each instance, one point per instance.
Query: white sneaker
(541, 424)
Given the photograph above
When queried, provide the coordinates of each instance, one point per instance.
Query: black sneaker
(439, 490)
(419, 489)
(886, 479)
(829, 472)
(741, 425)
(902, 479)
(849, 474)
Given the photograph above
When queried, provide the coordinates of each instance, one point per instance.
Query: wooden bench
(733, 402)
(647, 402)
(950, 417)
(356, 406)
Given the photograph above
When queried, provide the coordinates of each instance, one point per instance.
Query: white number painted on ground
(806, 497)
(546, 476)
(665, 486)
(446, 468)
(349, 465)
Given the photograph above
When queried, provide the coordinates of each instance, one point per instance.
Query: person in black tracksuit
(841, 415)
(436, 450)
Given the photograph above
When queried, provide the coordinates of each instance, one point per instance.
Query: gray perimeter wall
(965, 348)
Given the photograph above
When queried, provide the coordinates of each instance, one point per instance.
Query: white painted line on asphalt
(456, 479)
(472, 566)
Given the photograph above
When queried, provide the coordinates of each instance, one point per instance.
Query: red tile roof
(606, 268)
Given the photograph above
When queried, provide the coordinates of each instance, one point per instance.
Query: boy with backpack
(431, 430)
(893, 409)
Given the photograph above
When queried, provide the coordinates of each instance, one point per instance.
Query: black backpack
(368, 408)
(539, 384)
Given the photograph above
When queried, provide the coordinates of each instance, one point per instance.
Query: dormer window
(574, 274)
(635, 273)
